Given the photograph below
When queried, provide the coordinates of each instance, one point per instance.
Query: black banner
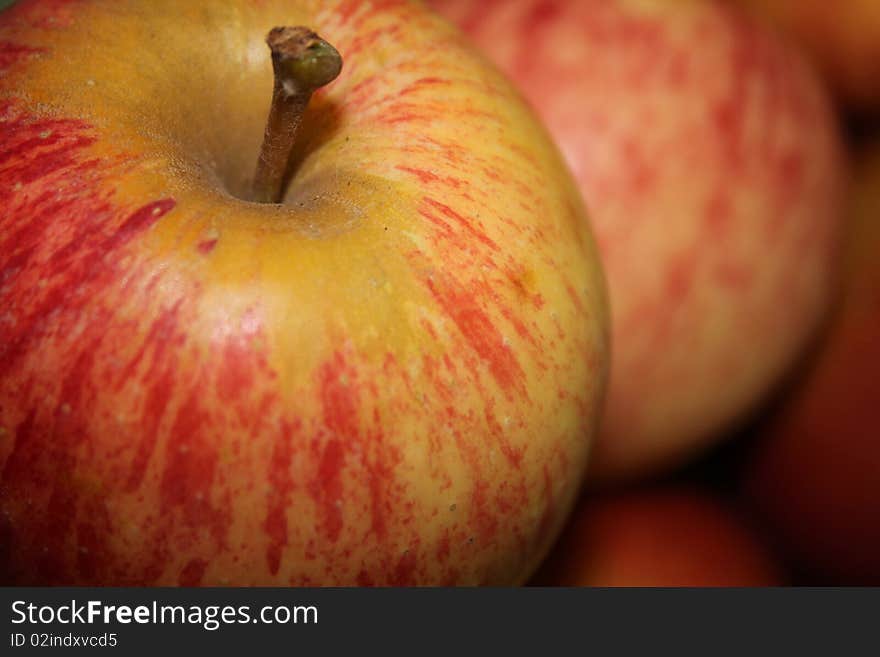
(460, 621)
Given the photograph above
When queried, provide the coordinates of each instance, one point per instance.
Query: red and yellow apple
(841, 37)
(393, 377)
(815, 474)
(659, 536)
(711, 163)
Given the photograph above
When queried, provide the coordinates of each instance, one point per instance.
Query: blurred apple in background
(712, 165)
(841, 36)
(816, 476)
(661, 536)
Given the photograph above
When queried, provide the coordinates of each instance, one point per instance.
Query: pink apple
(712, 165)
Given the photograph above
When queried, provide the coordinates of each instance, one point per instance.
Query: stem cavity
(302, 62)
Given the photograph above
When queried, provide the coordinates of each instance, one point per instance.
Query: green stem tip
(302, 62)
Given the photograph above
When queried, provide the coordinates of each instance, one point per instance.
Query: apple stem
(302, 62)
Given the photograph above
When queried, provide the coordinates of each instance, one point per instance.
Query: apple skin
(392, 379)
(814, 477)
(714, 173)
(842, 38)
(669, 535)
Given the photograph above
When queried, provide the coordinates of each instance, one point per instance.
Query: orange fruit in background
(815, 476)
(661, 536)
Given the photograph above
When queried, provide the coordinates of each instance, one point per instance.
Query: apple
(842, 38)
(814, 476)
(392, 377)
(664, 535)
(713, 168)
